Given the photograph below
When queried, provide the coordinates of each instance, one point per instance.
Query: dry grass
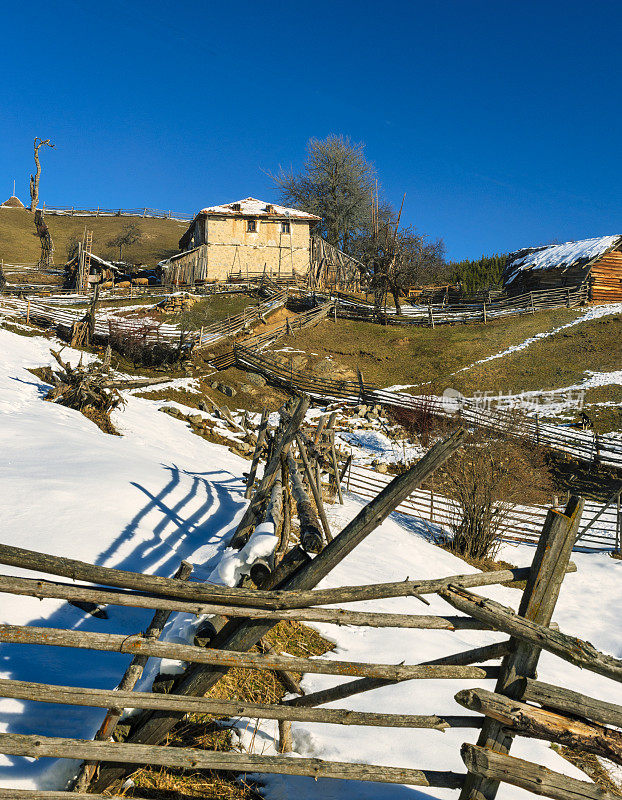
(592, 766)
(19, 243)
(417, 355)
(208, 733)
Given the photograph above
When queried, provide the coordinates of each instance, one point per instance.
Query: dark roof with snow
(558, 256)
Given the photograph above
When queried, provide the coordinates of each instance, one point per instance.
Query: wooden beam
(101, 698)
(538, 723)
(336, 616)
(187, 758)
(464, 658)
(407, 588)
(498, 767)
(571, 702)
(569, 648)
(118, 643)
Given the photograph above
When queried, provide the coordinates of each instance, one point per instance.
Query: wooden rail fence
(288, 592)
(349, 307)
(586, 446)
(600, 527)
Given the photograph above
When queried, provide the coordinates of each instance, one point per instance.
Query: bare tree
(487, 478)
(396, 260)
(34, 179)
(336, 183)
(130, 234)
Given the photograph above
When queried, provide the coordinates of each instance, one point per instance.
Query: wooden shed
(594, 262)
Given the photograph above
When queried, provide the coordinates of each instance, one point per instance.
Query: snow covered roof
(257, 208)
(558, 256)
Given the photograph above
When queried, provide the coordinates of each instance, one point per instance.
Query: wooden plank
(188, 758)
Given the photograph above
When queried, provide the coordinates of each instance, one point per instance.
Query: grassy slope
(19, 243)
(557, 361)
(416, 355)
(431, 357)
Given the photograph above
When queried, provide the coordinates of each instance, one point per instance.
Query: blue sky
(500, 120)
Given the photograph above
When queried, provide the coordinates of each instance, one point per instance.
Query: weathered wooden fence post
(537, 604)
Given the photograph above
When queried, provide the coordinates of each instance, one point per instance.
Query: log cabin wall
(606, 278)
(533, 280)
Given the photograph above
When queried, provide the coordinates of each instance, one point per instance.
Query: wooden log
(100, 698)
(286, 528)
(291, 575)
(194, 759)
(464, 658)
(336, 616)
(127, 683)
(283, 444)
(315, 489)
(117, 643)
(154, 584)
(569, 648)
(538, 723)
(498, 767)
(262, 567)
(320, 427)
(261, 438)
(407, 588)
(537, 603)
(310, 531)
(570, 702)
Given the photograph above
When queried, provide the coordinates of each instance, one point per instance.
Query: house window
(285, 227)
(251, 226)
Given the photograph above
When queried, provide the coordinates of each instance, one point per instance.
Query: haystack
(13, 202)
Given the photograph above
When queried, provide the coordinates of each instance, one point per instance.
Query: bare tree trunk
(34, 179)
(396, 299)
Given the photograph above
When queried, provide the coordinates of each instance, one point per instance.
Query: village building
(242, 239)
(595, 263)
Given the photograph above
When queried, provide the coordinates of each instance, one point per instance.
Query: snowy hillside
(159, 494)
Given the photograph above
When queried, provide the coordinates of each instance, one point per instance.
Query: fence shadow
(190, 517)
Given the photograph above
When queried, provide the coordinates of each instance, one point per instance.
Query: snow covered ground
(159, 494)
